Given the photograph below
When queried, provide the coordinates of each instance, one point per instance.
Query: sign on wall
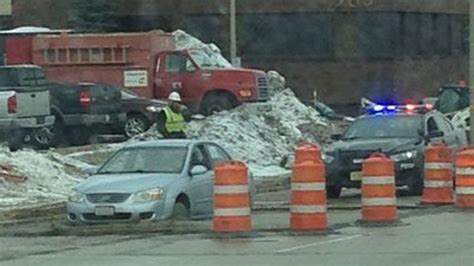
(135, 78)
(5, 7)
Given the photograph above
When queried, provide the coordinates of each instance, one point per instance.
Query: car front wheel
(180, 212)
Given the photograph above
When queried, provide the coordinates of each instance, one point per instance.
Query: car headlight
(153, 109)
(404, 156)
(154, 194)
(327, 158)
(76, 197)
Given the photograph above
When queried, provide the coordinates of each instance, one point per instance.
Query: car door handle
(33, 95)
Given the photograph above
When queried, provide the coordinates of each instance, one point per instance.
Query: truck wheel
(216, 103)
(49, 136)
(334, 192)
(136, 124)
(78, 136)
(15, 139)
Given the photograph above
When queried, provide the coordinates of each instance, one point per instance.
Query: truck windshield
(385, 127)
(451, 101)
(209, 61)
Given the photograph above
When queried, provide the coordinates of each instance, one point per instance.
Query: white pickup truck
(25, 111)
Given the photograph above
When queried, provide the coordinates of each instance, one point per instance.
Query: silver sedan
(151, 181)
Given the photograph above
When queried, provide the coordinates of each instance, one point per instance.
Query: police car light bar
(409, 108)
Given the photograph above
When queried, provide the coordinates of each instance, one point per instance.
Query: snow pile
(47, 180)
(263, 138)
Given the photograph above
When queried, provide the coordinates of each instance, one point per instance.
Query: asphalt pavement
(427, 236)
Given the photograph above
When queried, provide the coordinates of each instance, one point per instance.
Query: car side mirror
(336, 136)
(198, 170)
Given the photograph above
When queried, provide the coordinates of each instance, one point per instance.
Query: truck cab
(207, 82)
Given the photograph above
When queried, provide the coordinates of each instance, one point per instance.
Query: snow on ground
(47, 179)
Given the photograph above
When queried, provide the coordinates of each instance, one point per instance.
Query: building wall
(345, 51)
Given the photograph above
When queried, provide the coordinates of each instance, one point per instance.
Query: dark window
(442, 34)
(308, 35)
(410, 34)
(432, 125)
(217, 154)
(176, 63)
(199, 157)
(457, 33)
(378, 34)
(427, 34)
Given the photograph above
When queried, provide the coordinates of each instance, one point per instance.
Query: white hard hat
(175, 97)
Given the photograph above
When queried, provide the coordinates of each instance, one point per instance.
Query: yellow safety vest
(174, 121)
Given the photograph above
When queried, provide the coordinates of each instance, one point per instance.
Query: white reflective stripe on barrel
(231, 189)
(439, 166)
(225, 212)
(465, 190)
(465, 171)
(321, 186)
(438, 184)
(378, 180)
(308, 209)
(379, 201)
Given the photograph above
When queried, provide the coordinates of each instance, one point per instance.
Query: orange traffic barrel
(308, 197)
(465, 179)
(379, 202)
(231, 198)
(307, 152)
(439, 175)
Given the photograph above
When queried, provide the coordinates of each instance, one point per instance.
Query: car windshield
(385, 127)
(209, 61)
(146, 160)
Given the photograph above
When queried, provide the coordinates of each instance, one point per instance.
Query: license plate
(104, 211)
(40, 120)
(356, 176)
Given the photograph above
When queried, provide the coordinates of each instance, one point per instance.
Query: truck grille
(263, 89)
(108, 197)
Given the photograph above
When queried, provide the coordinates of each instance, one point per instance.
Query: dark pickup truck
(82, 110)
(78, 110)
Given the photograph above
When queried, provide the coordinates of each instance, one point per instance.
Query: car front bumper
(340, 175)
(128, 211)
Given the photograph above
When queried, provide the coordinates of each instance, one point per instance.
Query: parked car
(141, 113)
(401, 135)
(151, 180)
(24, 106)
(82, 110)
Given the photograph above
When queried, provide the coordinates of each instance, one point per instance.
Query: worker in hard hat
(172, 119)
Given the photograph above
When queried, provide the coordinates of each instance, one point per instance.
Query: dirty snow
(47, 179)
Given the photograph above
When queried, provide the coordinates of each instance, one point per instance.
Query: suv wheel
(334, 192)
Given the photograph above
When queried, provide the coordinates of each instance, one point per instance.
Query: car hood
(388, 145)
(125, 183)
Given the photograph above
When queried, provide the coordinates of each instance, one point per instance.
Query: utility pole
(471, 68)
(233, 33)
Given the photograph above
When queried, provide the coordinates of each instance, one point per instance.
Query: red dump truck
(147, 63)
